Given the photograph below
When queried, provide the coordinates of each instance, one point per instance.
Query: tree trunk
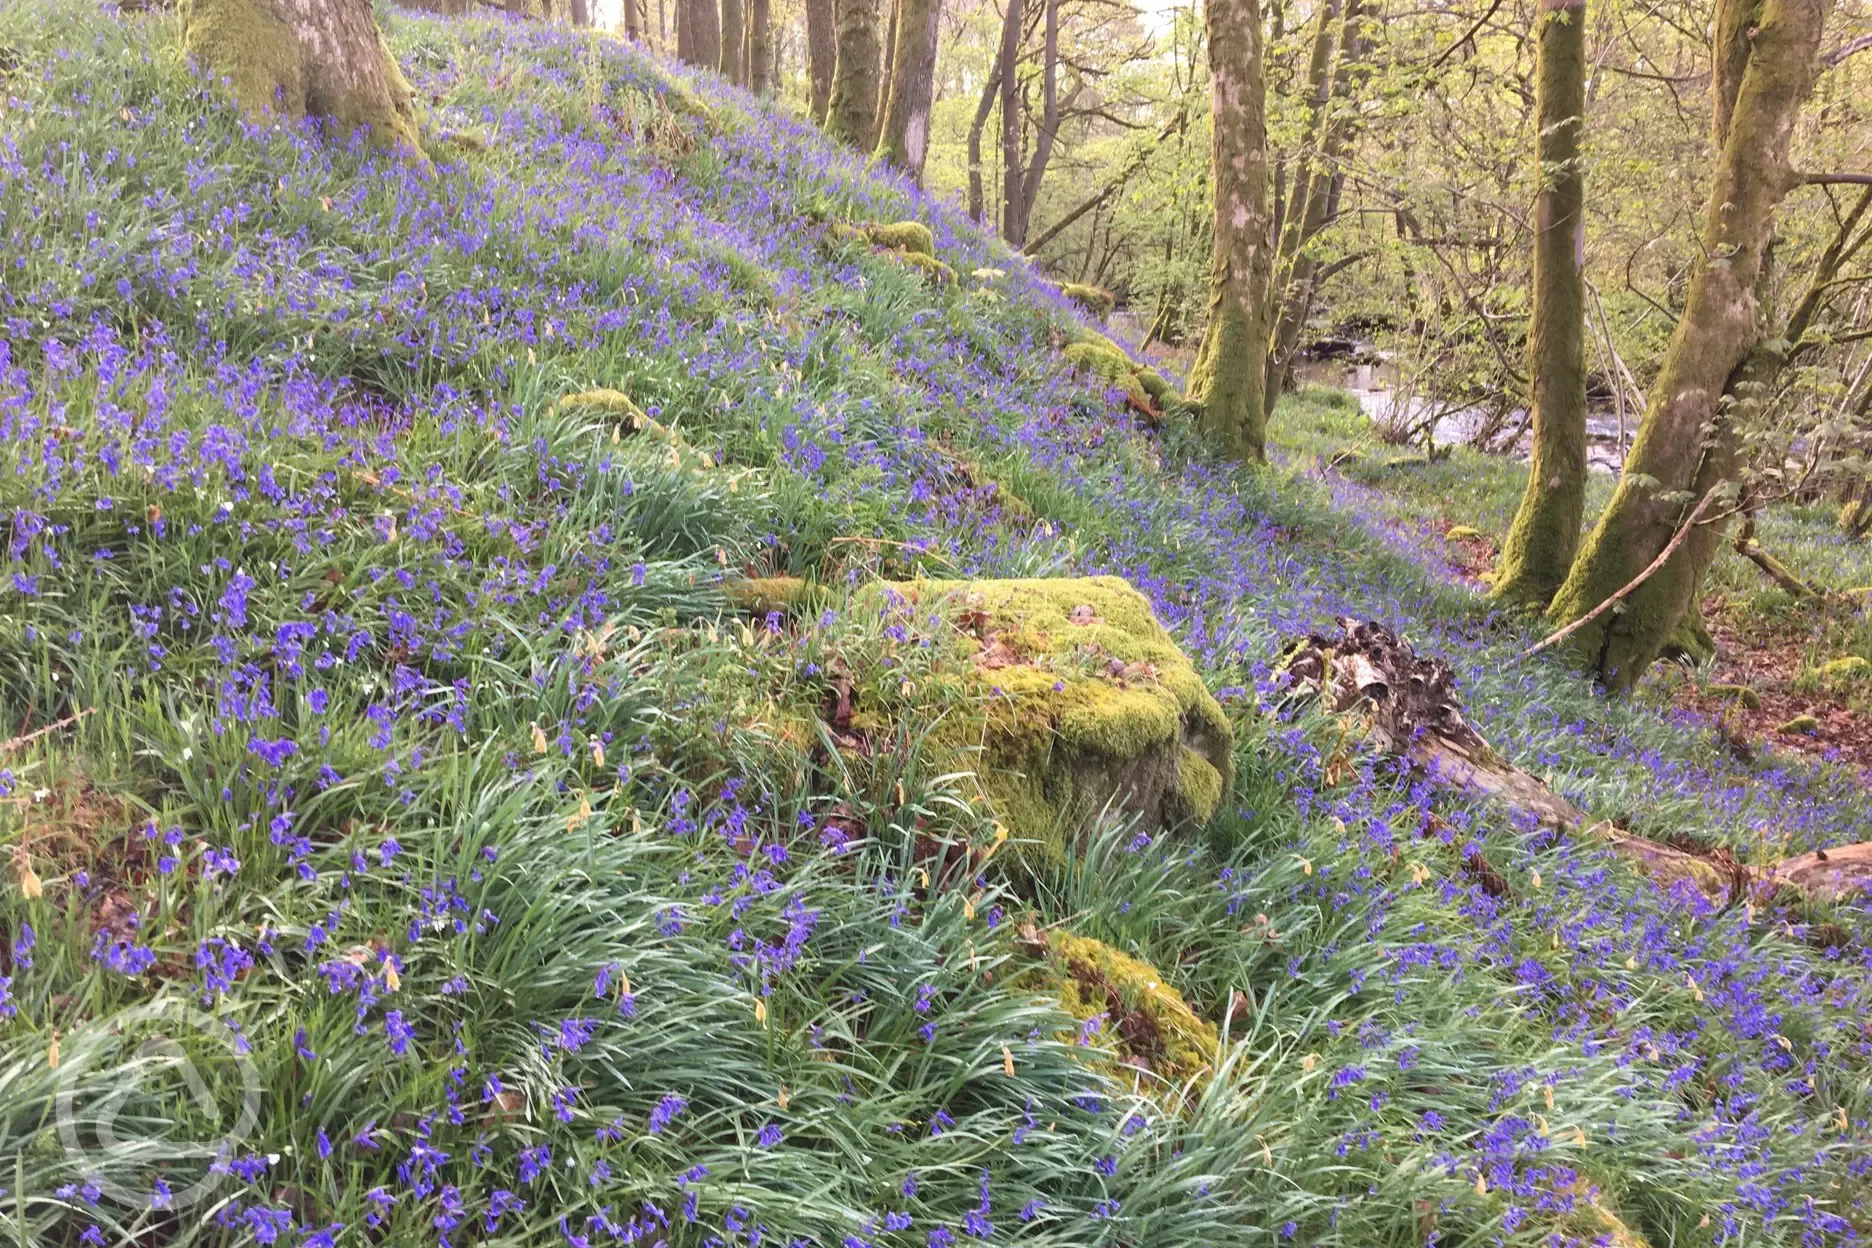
(976, 206)
(1544, 537)
(887, 68)
(1686, 446)
(298, 58)
(698, 33)
(1230, 370)
(904, 140)
(821, 54)
(1049, 124)
(633, 21)
(581, 12)
(851, 111)
(1012, 169)
(734, 34)
(1317, 184)
(759, 54)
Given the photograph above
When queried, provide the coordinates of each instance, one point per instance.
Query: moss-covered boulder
(1127, 1003)
(1736, 693)
(629, 419)
(1145, 389)
(1099, 302)
(1839, 673)
(1800, 725)
(1084, 702)
(931, 269)
(1064, 698)
(911, 238)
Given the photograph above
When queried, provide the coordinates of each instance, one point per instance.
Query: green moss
(911, 237)
(250, 45)
(1146, 1019)
(1463, 533)
(1107, 363)
(761, 595)
(1082, 698)
(1740, 693)
(1851, 669)
(1093, 299)
(1800, 724)
(1154, 385)
(931, 268)
(631, 419)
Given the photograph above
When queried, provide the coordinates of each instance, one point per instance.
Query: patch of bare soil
(1766, 665)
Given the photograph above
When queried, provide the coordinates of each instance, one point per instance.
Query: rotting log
(1411, 710)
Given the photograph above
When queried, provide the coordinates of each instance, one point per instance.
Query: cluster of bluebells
(467, 590)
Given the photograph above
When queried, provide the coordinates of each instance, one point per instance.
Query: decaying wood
(1412, 711)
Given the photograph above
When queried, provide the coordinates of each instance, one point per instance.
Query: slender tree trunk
(887, 69)
(1686, 446)
(1230, 370)
(759, 55)
(976, 206)
(297, 58)
(698, 33)
(734, 34)
(850, 113)
(1029, 186)
(633, 21)
(821, 54)
(1317, 184)
(1544, 537)
(904, 140)
(1012, 168)
(581, 12)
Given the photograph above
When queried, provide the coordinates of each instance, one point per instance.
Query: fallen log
(1412, 712)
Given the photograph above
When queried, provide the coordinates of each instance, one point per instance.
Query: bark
(1544, 537)
(633, 20)
(698, 33)
(1112, 185)
(1686, 446)
(581, 12)
(299, 58)
(1028, 186)
(1012, 170)
(733, 35)
(1411, 710)
(1318, 182)
(851, 112)
(759, 54)
(975, 197)
(1229, 376)
(887, 69)
(904, 140)
(821, 54)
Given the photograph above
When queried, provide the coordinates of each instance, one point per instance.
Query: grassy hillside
(413, 841)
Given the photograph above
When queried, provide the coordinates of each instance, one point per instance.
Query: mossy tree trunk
(904, 140)
(759, 54)
(1544, 537)
(887, 69)
(734, 35)
(300, 58)
(851, 112)
(1686, 446)
(1230, 371)
(821, 55)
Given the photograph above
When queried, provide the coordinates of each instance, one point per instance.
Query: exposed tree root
(1412, 710)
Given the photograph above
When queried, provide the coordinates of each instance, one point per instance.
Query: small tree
(851, 113)
(300, 58)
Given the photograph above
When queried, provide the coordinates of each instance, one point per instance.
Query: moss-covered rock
(1085, 701)
(631, 419)
(1093, 299)
(1736, 693)
(1800, 725)
(1140, 1014)
(1849, 670)
(932, 269)
(911, 237)
(1463, 533)
(1115, 369)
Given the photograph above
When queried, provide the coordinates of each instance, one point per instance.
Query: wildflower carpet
(429, 822)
